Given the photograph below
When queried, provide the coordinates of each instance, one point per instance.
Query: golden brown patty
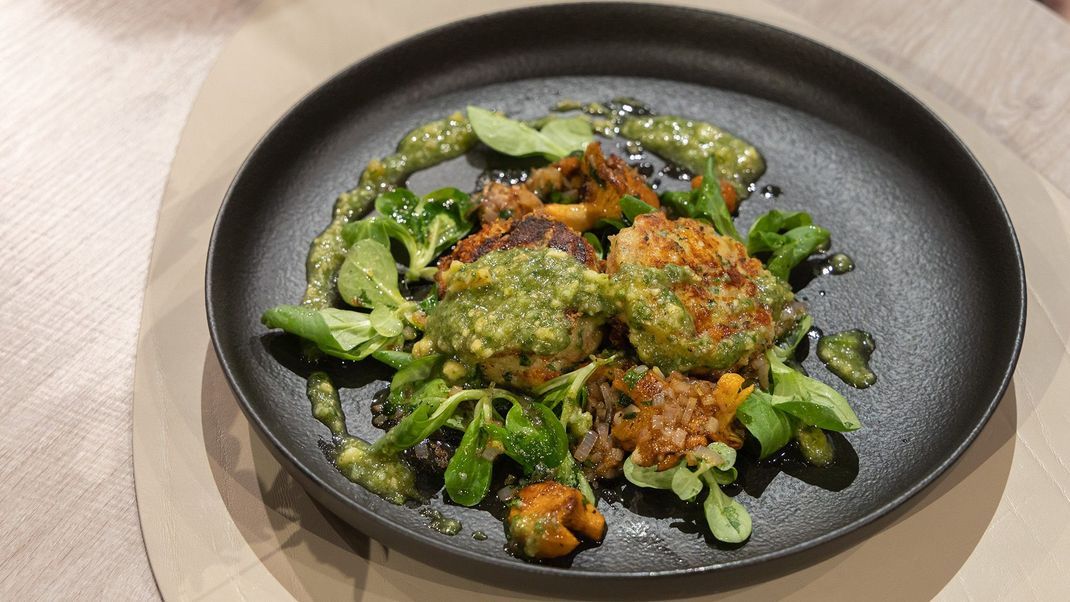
(693, 299)
(529, 232)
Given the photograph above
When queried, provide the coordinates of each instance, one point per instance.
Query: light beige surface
(221, 520)
(94, 97)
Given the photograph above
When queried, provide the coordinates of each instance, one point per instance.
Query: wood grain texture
(1004, 63)
(94, 98)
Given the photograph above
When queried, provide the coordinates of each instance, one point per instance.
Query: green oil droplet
(840, 263)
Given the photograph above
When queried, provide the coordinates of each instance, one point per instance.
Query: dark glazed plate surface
(938, 281)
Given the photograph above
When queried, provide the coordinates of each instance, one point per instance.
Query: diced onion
(678, 437)
(609, 394)
(506, 493)
(672, 413)
(689, 410)
(761, 368)
(679, 386)
(712, 425)
(583, 450)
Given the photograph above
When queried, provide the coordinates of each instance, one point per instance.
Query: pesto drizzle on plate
(423, 147)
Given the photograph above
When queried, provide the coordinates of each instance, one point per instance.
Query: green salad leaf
(596, 243)
(385, 321)
(789, 236)
(558, 138)
(648, 476)
(534, 436)
(571, 134)
(770, 426)
(468, 473)
(340, 333)
(632, 207)
(705, 202)
(369, 277)
(808, 399)
(433, 406)
(395, 359)
(728, 519)
(800, 243)
(370, 229)
(568, 392)
(412, 375)
(765, 233)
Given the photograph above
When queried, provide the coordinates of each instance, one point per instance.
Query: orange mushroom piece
(546, 518)
(606, 180)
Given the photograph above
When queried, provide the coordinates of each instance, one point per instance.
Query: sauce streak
(385, 476)
(687, 143)
(445, 526)
(421, 148)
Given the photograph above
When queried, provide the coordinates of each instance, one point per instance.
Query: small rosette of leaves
(425, 226)
(789, 237)
(705, 468)
(368, 278)
(798, 407)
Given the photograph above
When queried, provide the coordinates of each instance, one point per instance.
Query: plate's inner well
(932, 250)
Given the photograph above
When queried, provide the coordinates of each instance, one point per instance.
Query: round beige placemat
(221, 520)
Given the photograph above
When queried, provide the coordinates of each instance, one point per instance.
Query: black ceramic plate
(939, 280)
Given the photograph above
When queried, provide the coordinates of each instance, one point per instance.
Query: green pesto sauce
(326, 406)
(663, 331)
(479, 536)
(516, 300)
(421, 148)
(687, 143)
(847, 355)
(445, 526)
(386, 476)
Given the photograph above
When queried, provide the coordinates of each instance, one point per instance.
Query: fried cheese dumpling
(546, 518)
(693, 300)
(521, 301)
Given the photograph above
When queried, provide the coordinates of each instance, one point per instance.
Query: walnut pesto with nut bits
(568, 327)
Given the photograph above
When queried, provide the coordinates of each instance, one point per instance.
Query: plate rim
(328, 495)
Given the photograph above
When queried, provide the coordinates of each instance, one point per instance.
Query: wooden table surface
(95, 94)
